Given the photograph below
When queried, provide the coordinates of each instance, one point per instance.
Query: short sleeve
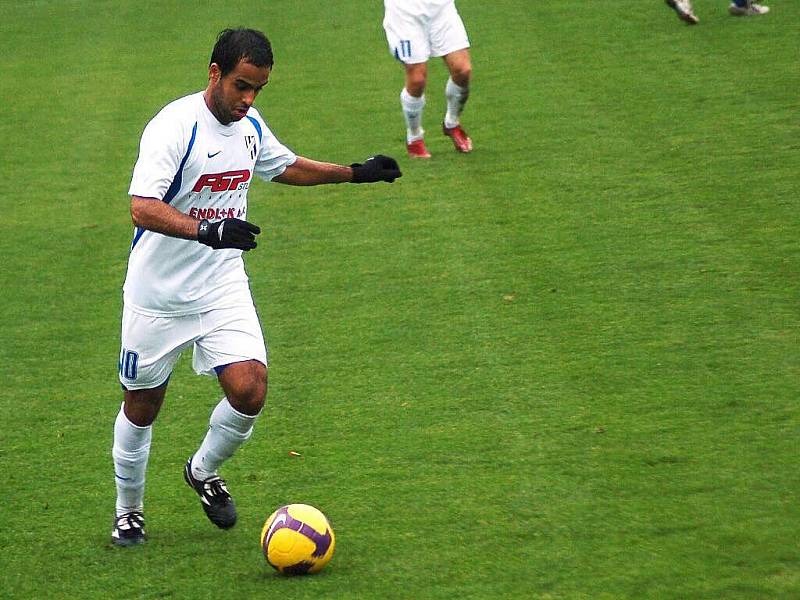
(273, 156)
(161, 150)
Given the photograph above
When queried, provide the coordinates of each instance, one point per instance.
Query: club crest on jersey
(223, 182)
(250, 143)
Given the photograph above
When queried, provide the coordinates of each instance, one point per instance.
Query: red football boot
(417, 149)
(460, 138)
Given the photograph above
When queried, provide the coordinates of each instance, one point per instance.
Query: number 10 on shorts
(128, 364)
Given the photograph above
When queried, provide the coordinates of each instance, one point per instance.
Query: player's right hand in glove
(376, 168)
(228, 233)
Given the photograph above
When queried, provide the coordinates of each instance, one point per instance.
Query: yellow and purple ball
(297, 539)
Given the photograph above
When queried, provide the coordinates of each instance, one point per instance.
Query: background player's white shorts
(152, 345)
(419, 29)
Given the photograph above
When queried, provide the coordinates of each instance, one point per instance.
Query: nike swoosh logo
(279, 520)
(210, 155)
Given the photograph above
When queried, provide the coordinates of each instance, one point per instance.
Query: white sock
(456, 99)
(131, 450)
(228, 430)
(412, 111)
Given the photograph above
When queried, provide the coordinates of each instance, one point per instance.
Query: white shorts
(419, 29)
(152, 345)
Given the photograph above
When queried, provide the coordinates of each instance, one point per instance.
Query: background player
(738, 8)
(186, 284)
(417, 30)
(747, 8)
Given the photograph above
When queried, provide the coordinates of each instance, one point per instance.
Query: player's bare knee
(142, 406)
(416, 78)
(246, 387)
(461, 75)
(416, 87)
(248, 403)
(141, 411)
(256, 394)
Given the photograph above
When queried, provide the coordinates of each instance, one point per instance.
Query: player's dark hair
(234, 45)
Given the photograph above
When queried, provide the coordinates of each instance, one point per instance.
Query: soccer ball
(297, 539)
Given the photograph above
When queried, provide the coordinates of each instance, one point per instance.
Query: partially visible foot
(417, 149)
(214, 498)
(683, 8)
(750, 9)
(128, 529)
(460, 138)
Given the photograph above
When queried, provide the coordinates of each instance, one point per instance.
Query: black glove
(376, 168)
(228, 233)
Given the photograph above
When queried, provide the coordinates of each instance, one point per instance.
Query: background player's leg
(743, 8)
(412, 101)
(684, 10)
(457, 92)
(457, 88)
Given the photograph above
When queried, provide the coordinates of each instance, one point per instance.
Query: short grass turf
(564, 366)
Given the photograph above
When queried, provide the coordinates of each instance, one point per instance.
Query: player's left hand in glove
(376, 168)
(228, 233)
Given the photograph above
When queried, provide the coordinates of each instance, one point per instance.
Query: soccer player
(417, 30)
(738, 8)
(747, 8)
(186, 283)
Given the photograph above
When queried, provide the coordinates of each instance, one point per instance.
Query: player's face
(229, 97)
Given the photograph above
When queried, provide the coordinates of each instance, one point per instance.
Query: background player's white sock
(131, 450)
(456, 99)
(229, 429)
(412, 111)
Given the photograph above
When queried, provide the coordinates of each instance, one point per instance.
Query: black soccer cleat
(214, 497)
(128, 529)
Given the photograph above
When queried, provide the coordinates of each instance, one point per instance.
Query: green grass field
(564, 366)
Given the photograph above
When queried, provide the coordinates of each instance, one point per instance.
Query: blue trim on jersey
(176, 184)
(137, 233)
(257, 126)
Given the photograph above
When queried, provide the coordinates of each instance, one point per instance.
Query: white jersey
(202, 168)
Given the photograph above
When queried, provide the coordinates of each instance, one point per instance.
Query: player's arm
(158, 216)
(154, 215)
(305, 171)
